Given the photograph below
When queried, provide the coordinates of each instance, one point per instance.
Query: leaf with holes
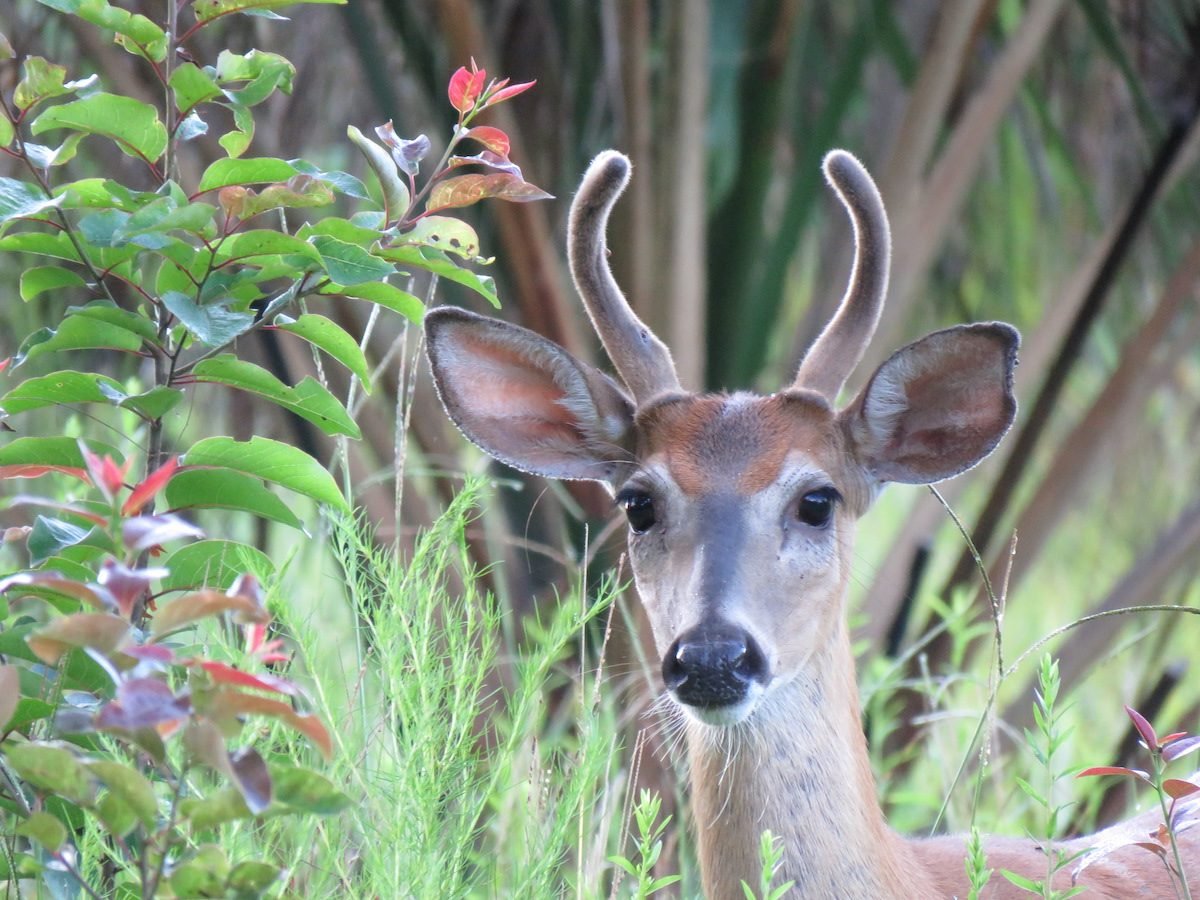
(444, 233)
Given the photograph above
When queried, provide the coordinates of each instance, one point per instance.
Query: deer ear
(525, 400)
(938, 406)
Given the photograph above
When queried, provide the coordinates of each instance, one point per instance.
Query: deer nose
(713, 665)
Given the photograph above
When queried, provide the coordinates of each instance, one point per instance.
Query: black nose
(713, 665)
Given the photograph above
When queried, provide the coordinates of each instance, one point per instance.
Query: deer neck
(798, 767)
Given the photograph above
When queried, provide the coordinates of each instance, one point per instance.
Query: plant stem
(1156, 755)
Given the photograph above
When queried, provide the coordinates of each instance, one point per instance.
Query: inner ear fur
(524, 399)
(936, 407)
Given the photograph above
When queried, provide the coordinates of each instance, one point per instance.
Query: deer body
(742, 512)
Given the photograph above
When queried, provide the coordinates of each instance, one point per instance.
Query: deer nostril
(714, 665)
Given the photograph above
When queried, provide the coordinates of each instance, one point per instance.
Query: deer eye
(639, 509)
(816, 507)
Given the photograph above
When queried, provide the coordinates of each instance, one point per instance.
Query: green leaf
(133, 125)
(49, 536)
(57, 245)
(342, 229)
(40, 279)
(439, 264)
(381, 294)
(80, 333)
(107, 311)
(260, 73)
(263, 242)
(51, 451)
(203, 875)
(7, 133)
(307, 791)
(207, 10)
(20, 199)
(444, 233)
(213, 325)
(40, 80)
(137, 34)
(225, 489)
(46, 829)
(225, 172)
(251, 878)
(333, 339)
(213, 563)
(60, 388)
(114, 813)
(52, 767)
(272, 461)
(236, 141)
(154, 403)
(396, 195)
(225, 805)
(309, 399)
(10, 694)
(192, 86)
(349, 263)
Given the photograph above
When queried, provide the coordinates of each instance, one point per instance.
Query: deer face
(741, 508)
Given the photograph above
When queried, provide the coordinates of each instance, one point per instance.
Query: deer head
(741, 507)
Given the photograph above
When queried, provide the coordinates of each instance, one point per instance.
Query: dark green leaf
(57, 245)
(309, 399)
(213, 325)
(49, 536)
(333, 339)
(107, 311)
(271, 461)
(154, 403)
(342, 182)
(61, 388)
(133, 125)
(225, 489)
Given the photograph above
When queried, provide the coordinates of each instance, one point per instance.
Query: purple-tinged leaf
(144, 703)
(252, 778)
(407, 154)
(1156, 849)
(127, 585)
(1180, 747)
(489, 159)
(156, 655)
(1144, 728)
(94, 595)
(144, 532)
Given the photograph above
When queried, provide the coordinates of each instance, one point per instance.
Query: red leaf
(1173, 736)
(201, 604)
(1144, 728)
(465, 87)
(492, 138)
(236, 703)
(1180, 747)
(507, 93)
(150, 486)
(1153, 848)
(223, 674)
(5, 363)
(464, 190)
(1177, 788)
(1113, 770)
(95, 595)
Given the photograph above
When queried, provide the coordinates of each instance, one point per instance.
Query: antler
(642, 360)
(838, 349)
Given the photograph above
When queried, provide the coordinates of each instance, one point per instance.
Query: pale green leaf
(271, 461)
(333, 339)
(134, 126)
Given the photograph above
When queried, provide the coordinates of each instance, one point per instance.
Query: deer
(742, 511)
